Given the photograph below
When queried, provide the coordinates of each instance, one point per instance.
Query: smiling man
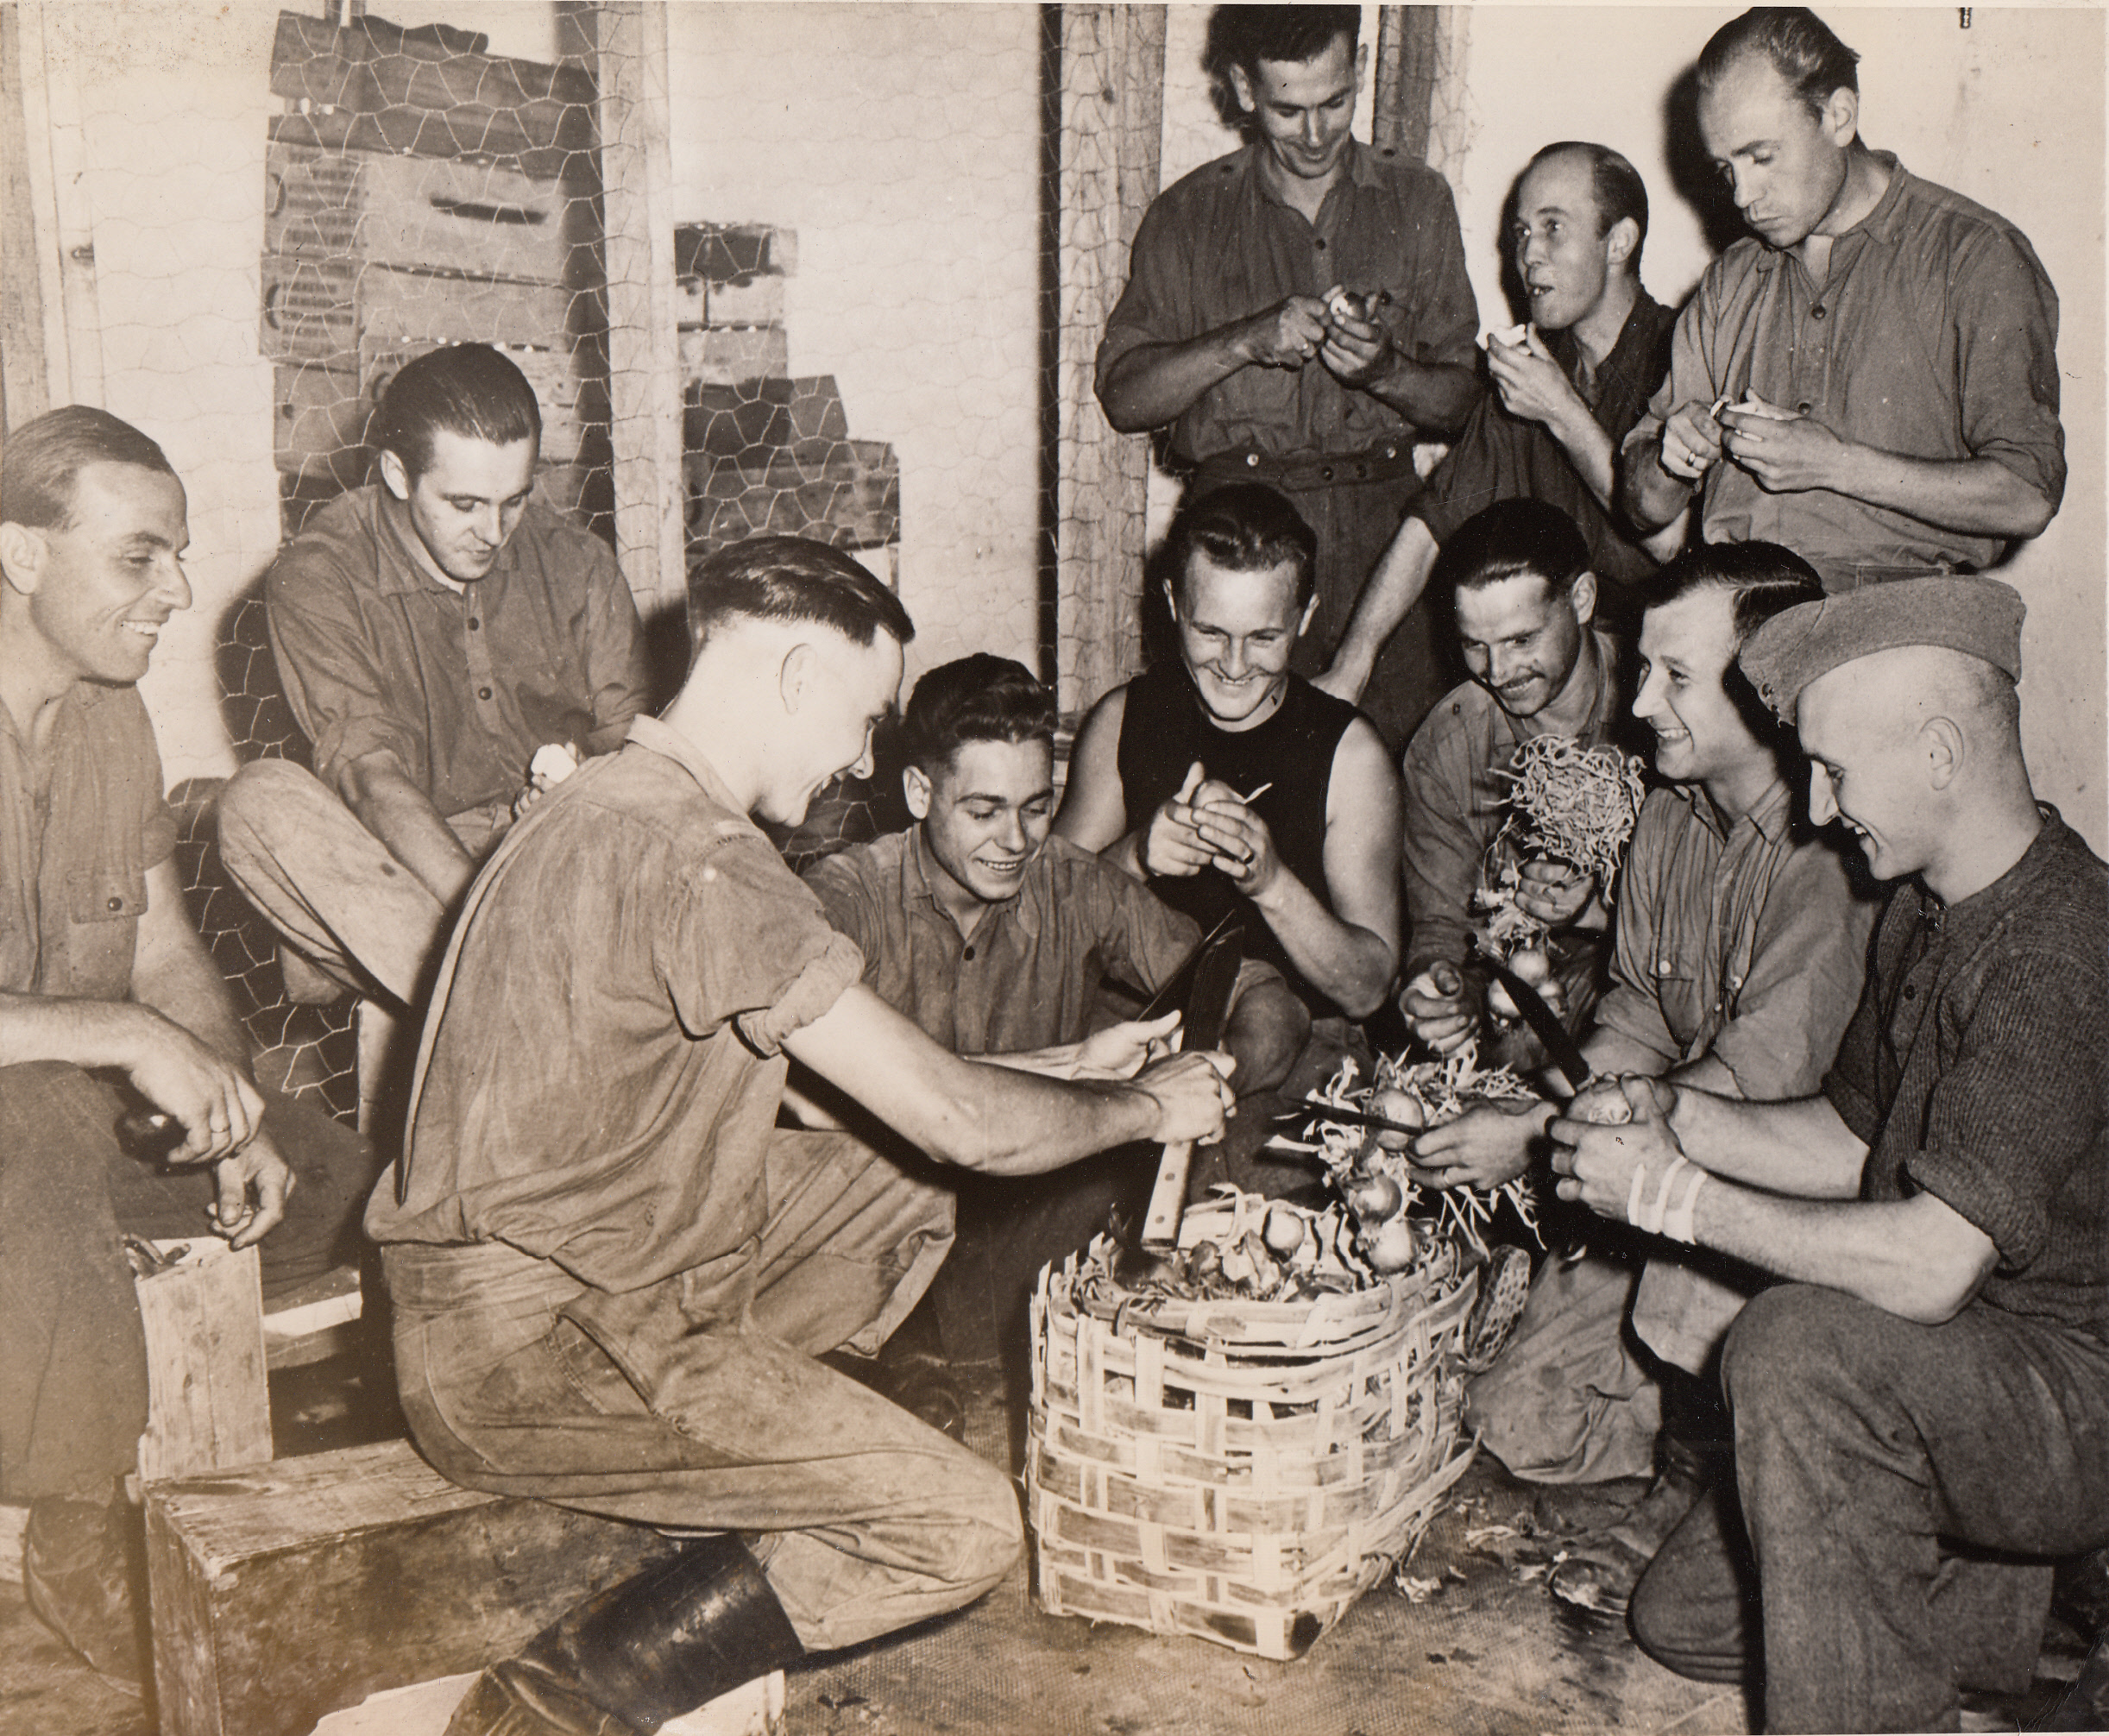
(1596, 345)
(1230, 783)
(999, 940)
(1919, 1407)
(1870, 378)
(1739, 950)
(1229, 333)
(433, 629)
(613, 1274)
(108, 998)
(1525, 601)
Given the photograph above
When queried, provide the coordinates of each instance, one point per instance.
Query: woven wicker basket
(1238, 1471)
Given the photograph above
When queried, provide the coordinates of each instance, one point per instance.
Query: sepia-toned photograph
(878, 867)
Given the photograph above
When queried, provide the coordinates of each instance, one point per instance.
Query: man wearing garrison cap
(1921, 1405)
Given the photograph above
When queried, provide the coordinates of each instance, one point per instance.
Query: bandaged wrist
(1647, 1214)
(1677, 1224)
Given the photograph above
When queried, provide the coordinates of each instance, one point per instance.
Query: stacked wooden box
(422, 192)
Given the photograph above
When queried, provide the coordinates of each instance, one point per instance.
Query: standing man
(612, 1273)
(433, 630)
(997, 939)
(107, 996)
(1920, 1407)
(1870, 378)
(1596, 345)
(1526, 603)
(1230, 783)
(1742, 943)
(1231, 332)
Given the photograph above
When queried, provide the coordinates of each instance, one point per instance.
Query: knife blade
(1310, 1108)
(1545, 1023)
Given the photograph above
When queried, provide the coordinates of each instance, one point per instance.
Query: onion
(1373, 1198)
(1607, 1108)
(1285, 1229)
(1500, 1004)
(1389, 1247)
(1402, 1106)
(1531, 964)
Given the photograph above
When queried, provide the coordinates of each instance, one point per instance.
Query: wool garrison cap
(1980, 617)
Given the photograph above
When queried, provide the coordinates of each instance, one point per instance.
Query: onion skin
(1402, 1106)
(1390, 1247)
(1374, 1198)
(1531, 964)
(1285, 1229)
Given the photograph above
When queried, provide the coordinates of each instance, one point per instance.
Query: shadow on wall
(1698, 183)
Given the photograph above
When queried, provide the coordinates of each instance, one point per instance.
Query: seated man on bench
(613, 1274)
(103, 980)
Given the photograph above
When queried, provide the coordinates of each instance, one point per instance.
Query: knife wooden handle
(1168, 1199)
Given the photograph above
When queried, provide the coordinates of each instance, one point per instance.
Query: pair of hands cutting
(1783, 452)
(1206, 824)
(1356, 351)
(1440, 1007)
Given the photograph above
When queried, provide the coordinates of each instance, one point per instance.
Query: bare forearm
(1349, 964)
(1157, 383)
(85, 1034)
(1977, 496)
(1395, 585)
(403, 818)
(1652, 497)
(1435, 398)
(186, 988)
(1800, 1148)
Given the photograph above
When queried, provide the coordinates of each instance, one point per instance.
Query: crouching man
(1920, 1410)
(612, 1273)
(107, 996)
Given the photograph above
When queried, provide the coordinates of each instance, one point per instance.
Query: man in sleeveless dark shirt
(1228, 782)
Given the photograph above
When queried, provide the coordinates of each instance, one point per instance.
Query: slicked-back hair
(1764, 578)
(1246, 35)
(978, 698)
(1245, 527)
(792, 579)
(468, 389)
(1620, 191)
(1512, 539)
(1800, 46)
(42, 460)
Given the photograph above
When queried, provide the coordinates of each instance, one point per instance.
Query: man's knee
(985, 1529)
(1791, 1344)
(265, 801)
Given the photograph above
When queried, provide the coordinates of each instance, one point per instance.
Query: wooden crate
(300, 1587)
(396, 304)
(846, 492)
(727, 355)
(208, 1406)
(554, 370)
(1245, 1476)
(310, 310)
(319, 431)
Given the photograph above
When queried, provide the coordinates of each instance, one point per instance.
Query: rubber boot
(641, 1652)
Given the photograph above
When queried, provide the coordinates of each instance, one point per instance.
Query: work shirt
(1504, 457)
(1029, 976)
(602, 1063)
(459, 688)
(79, 827)
(1976, 1068)
(1457, 800)
(1933, 336)
(1218, 247)
(1744, 941)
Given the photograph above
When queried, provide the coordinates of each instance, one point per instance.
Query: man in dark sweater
(1920, 1407)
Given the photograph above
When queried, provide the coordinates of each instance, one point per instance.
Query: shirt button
(968, 955)
(115, 905)
(1321, 243)
(1326, 473)
(1665, 968)
(1804, 407)
(474, 623)
(1252, 460)
(1910, 991)
(483, 692)
(1815, 312)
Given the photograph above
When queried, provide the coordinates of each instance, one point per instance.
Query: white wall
(902, 142)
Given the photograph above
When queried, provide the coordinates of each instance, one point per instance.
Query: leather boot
(641, 1652)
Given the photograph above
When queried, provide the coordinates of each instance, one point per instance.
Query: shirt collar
(1362, 170)
(663, 739)
(1965, 921)
(1769, 816)
(405, 574)
(1882, 221)
(916, 869)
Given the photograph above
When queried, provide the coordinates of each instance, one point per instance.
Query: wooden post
(642, 359)
(208, 1407)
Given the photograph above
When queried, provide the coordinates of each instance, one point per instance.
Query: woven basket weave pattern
(1242, 1472)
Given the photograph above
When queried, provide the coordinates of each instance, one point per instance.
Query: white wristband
(1649, 1216)
(1677, 1225)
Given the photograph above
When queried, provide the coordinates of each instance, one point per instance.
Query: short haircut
(1512, 539)
(1765, 579)
(978, 698)
(468, 389)
(1798, 44)
(42, 459)
(1246, 35)
(1621, 192)
(793, 579)
(1245, 527)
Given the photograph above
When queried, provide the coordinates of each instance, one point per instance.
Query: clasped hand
(1193, 1095)
(1206, 824)
(1596, 1159)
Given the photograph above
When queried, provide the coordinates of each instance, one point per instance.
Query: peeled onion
(1389, 1247)
(1607, 1109)
(1500, 1004)
(1533, 964)
(1402, 1106)
(1285, 1229)
(1373, 1198)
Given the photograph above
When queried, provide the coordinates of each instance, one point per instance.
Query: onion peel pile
(1576, 804)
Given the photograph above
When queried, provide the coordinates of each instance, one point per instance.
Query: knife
(1208, 1009)
(1545, 1023)
(1176, 988)
(1314, 1108)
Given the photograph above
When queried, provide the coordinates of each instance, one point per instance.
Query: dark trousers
(1903, 1489)
(73, 1359)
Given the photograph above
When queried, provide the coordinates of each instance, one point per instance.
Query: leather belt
(1307, 470)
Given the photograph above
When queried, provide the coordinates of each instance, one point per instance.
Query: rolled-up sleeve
(1442, 852)
(2006, 317)
(1152, 308)
(327, 664)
